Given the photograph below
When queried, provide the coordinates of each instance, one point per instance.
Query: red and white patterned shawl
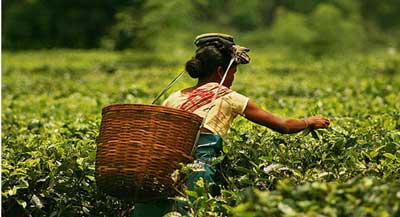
(202, 96)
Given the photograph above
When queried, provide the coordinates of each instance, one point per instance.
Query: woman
(215, 61)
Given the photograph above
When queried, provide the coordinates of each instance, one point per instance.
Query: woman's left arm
(281, 125)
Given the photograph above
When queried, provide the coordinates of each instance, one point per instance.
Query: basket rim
(161, 108)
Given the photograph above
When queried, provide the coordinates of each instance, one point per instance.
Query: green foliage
(51, 111)
(291, 28)
(149, 25)
(334, 31)
(128, 30)
(245, 17)
(383, 12)
(355, 197)
(324, 31)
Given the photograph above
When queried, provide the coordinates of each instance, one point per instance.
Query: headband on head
(223, 42)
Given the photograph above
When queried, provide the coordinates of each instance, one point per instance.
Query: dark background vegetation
(318, 26)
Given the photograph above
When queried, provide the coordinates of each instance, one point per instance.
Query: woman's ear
(220, 72)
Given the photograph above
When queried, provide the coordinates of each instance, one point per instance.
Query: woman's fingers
(319, 122)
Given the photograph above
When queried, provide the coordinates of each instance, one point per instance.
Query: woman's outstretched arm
(259, 116)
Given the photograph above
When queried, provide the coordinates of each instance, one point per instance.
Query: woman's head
(213, 55)
(207, 61)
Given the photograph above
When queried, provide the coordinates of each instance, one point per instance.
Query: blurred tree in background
(47, 24)
(318, 25)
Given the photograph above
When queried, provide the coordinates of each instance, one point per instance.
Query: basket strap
(210, 106)
(167, 88)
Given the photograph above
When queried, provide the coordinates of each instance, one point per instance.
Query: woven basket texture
(138, 148)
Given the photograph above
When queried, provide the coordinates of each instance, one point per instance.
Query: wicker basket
(139, 146)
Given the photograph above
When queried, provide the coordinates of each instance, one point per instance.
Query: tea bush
(51, 112)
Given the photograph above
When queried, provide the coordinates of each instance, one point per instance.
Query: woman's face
(229, 77)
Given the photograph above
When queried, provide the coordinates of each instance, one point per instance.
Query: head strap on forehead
(223, 42)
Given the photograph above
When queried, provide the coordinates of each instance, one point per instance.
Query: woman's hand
(316, 122)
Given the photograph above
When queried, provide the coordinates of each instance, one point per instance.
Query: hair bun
(193, 67)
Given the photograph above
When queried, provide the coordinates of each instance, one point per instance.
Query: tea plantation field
(51, 112)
